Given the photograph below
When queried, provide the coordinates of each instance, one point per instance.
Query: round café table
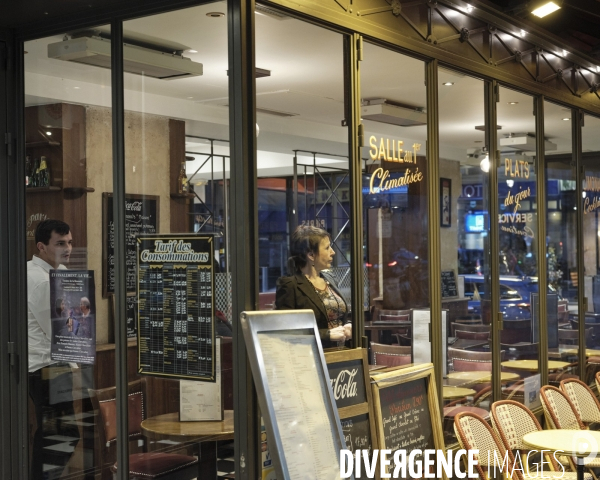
(483, 377)
(206, 433)
(449, 392)
(532, 365)
(578, 443)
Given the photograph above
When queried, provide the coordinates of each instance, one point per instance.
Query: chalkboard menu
(141, 217)
(349, 377)
(407, 410)
(176, 306)
(131, 313)
(449, 288)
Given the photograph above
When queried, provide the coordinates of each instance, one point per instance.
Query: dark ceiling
(577, 23)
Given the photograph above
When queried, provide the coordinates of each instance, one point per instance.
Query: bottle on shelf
(35, 173)
(44, 175)
(183, 181)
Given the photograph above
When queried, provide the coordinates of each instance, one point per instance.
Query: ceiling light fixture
(523, 33)
(448, 84)
(192, 51)
(513, 103)
(215, 14)
(469, 8)
(485, 164)
(510, 182)
(545, 9)
(565, 53)
(48, 133)
(566, 119)
(76, 88)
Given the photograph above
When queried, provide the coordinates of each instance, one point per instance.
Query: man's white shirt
(39, 325)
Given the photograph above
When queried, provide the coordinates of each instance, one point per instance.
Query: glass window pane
(464, 235)
(68, 164)
(395, 202)
(591, 233)
(561, 237)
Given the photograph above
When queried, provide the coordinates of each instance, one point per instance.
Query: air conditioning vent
(381, 110)
(137, 60)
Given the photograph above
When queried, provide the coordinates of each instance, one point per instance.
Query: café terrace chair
(583, 399)
(560, 413)
(390, 355)
(474, 433)
(146, 465)
(511, 421)
(520, 351)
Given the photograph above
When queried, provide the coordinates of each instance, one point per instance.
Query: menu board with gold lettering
(407, 409)
(176, 334)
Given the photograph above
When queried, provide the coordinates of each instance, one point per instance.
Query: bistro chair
(469, 360)
(583, 399)
(467, 327)
(474, 433)
(513, 420)
(152, 465)
(390, 355)
(560, 412)
(571, 337)
(468, 335)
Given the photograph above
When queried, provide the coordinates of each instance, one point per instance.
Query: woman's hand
(337, 334)
(348, 331)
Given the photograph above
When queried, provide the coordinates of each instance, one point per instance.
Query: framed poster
(294, 393)
(445, 205)
(349, 376)
(176, 308)
(407, 410)
(141, 217)
(131, 313)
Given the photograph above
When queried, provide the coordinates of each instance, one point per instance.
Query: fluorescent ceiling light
(546, 9)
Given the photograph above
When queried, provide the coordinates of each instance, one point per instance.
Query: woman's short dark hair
(305, 239)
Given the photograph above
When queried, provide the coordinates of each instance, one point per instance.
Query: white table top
(579, 443)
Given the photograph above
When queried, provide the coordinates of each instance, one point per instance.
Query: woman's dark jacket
(296, 292)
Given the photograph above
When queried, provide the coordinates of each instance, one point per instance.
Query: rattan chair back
(583, 399)
(558, 409)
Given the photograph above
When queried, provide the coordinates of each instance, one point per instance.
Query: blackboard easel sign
(407, 410)
(349, 376)
(449, 288)
(142, 214)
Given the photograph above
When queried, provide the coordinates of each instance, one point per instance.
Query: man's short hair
(44, 229)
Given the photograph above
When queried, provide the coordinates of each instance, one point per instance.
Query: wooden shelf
(79, 189)
(44, 143)
(42, 189)
(182, 195)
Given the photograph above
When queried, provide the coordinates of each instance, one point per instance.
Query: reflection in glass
(591, 236)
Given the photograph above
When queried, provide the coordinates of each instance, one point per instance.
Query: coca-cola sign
(347, 383)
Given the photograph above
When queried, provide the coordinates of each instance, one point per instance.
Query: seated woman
(310, 287)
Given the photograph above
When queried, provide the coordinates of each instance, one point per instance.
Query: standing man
(50, 383)
(86, 321)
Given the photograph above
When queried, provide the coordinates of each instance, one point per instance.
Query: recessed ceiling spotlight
(448, 84)
(512, 103)
(215, 14)
(191, 50)
(48, 133)
(189, 98)
(522, 33)
(545, 9)
(76, 88)
(469, 8)
(565, 53)
(566, 119)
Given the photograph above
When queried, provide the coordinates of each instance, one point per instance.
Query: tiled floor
(225, 461)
